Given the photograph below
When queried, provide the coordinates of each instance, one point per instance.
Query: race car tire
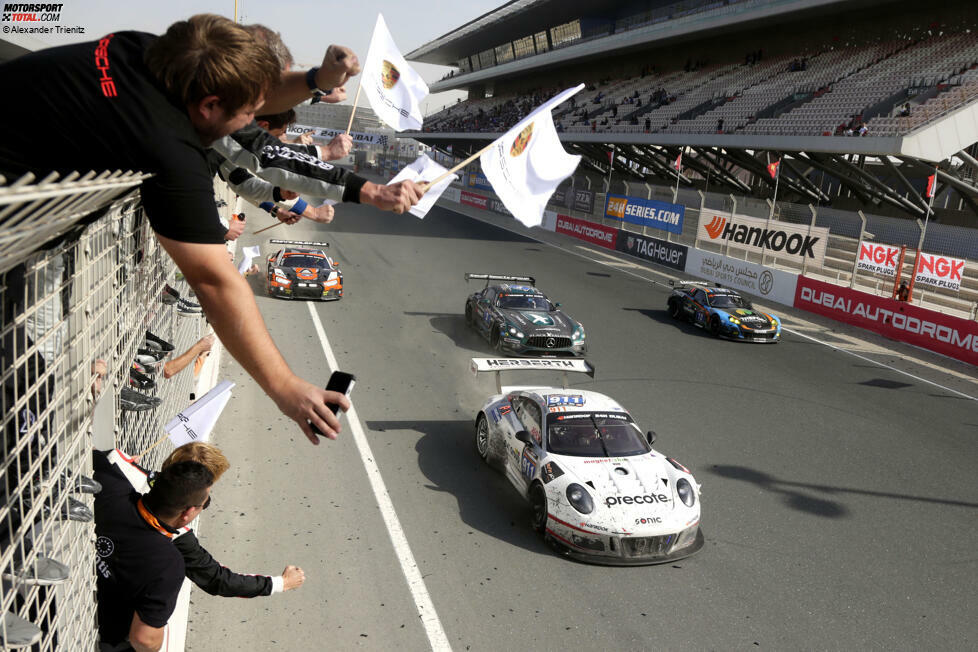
(468, 315)
(538, 508)
(482, 437)
(715, 326)
(494, 338)
(674, 310)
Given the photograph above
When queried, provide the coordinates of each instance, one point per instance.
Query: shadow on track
(798, 495)
(486, 500)
(453, 325)
(662, 316)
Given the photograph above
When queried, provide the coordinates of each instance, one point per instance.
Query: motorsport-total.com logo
(18, 12)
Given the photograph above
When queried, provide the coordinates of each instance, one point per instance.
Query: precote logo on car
(644, 499)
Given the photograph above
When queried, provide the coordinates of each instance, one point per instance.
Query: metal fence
(70, 304)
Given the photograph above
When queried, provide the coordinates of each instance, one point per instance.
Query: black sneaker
(17, 633)
(132, 401)
(157, 354)
(76, 510)
(81, 484)
(147, 370)
(43, 572)
(160, 343)
(169, 296)
(140, 381)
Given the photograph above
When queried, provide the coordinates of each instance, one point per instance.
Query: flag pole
(675, 194)
(158, 442)
(930, 208)
(611, 165)
(353, 112)
(458, 167)
(265, 229)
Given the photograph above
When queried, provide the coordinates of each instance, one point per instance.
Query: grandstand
(860, 99)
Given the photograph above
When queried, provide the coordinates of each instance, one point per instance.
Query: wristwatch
(311, 83)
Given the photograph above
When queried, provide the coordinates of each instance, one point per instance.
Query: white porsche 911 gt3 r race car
(597, 489)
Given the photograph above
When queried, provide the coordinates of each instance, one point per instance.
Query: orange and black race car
(302, 270)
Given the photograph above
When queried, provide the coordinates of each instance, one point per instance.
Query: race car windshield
(523, 302)
(594, 434)
(298, 260)
(728, 301)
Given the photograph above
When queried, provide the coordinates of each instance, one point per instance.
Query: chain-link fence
(76, 311)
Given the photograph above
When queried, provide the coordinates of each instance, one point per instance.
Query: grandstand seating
(838, 87)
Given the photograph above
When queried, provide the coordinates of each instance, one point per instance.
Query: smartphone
(341, 382)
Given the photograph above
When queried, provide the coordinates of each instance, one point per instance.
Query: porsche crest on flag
(394, 89)
(527, 163)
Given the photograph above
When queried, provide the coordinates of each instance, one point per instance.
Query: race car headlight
(515, 332)
(733, 320)
(579, 498)
(280, 277)
(578, 335)
(685, 491)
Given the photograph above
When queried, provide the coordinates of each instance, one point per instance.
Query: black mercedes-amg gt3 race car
(518, 318)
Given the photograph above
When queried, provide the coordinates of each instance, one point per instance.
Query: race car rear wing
(674, 283)
(499, 277)
(301, 243)
(498, 365)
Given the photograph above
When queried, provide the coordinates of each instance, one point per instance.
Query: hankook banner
(755, 234)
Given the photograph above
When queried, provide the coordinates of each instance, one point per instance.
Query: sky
(307, 26)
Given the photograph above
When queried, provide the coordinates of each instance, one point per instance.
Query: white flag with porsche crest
(394, 89)
(527, 164)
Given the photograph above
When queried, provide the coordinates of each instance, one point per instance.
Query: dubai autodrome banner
(765, 282)
(645, 212)
(878, 258)
(653, 250)
(797, 241)
(603, 236)
(329, 134)
(939, 271)
(898, 320)
(474, 200)
(578, 200)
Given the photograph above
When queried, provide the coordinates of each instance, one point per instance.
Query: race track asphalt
(839, 496)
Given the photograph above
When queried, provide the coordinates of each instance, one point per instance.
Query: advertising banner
(765, 282)
(603, 236)
(578, 200)
(939, 271)
(479, 180)
(645, 212)
(452, 194)
(549, 220)
(497, 206)
(878, 258)
(474, 200)
(329, 134)
(782, 238)
(898, 320)
(653, 250)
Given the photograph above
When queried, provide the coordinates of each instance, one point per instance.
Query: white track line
(667, 275)
(422, 599)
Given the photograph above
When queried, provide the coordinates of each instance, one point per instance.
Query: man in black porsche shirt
(139, 570)
(134, 101)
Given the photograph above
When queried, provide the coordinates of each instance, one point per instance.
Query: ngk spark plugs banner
(598, 234)
(939, 271)
(898, 320)
(755, 234)
(645, 212)
(878, 258)
(765, 282)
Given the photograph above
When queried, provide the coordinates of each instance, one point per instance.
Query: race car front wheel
(538, 507)
(468, 314)
(674, 310)
(715, 326)
(482, 437)
(495, 340)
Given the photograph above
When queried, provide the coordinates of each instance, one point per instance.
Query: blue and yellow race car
(723, 312)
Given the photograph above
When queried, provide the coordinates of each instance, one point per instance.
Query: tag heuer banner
(783, 238)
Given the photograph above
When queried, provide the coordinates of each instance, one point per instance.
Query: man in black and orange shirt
(139, 570)
(134, 101)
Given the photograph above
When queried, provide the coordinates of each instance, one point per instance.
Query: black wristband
(276, 194)
(311, 82)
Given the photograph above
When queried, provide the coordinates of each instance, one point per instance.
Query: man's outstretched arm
(230, 306)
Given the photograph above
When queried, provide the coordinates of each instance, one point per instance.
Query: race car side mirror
(650, 436)
(524, 437)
